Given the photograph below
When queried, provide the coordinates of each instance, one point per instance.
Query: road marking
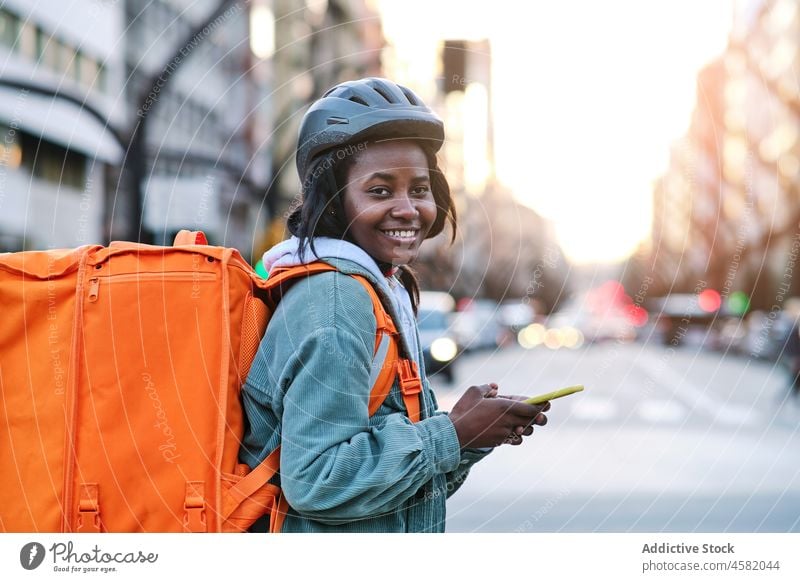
(735, 414)
(664, 411)
(695, 397)
(593, 409)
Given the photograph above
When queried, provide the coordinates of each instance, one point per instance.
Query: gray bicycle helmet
(365, 109)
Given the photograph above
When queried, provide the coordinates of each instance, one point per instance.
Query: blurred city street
(628, 217)
(661, 440)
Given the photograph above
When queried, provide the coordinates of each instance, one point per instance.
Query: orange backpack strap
(255, 480)
(411, 387)
(385, 368)
(386, 364)
(283, 275)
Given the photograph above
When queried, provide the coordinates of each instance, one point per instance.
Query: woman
(372, 192)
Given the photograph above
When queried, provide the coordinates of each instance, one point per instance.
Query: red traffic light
(709, 300)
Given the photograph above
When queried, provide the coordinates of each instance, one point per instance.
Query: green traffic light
(738, 303)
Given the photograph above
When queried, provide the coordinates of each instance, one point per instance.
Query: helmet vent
(410, 96)
(383, 93)
(359, 100)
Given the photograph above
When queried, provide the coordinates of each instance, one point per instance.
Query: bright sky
(588, 98)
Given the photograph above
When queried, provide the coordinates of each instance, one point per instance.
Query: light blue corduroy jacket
(308, 390)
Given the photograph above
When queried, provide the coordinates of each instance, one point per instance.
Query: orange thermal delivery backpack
(120, 376)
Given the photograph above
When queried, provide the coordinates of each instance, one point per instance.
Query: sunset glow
(587, 101)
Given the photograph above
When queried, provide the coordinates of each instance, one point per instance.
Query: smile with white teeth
(401, 234)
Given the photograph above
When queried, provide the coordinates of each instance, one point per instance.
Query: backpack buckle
(194, 504)
(410, 383)
(89, 509)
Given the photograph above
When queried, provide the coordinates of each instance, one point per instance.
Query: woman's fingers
(527, 412)
(483, 418)
(545, 406)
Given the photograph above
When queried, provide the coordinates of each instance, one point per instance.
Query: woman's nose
(404, 207)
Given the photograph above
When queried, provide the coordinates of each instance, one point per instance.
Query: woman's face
(388, 201)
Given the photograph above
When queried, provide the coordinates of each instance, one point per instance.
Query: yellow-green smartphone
(553, 395)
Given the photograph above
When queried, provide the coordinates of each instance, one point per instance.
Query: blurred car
(732, 332)
(754, 341)
(680, 317)
(438, 300)
(476, 326)
(438, 343)
(766, 334)
(609, 326)
(790, 354)
(615, 325)
(514, 315)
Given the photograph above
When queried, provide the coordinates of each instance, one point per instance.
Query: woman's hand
(515, 438)
(482, 419)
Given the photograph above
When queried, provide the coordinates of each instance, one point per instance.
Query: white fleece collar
(287, 254)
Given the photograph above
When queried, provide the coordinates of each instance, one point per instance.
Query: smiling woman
(388, 201)
(338, 386)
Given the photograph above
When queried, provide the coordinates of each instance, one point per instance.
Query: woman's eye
(380, 191)
(421, 190)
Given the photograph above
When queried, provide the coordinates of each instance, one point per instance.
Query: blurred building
(502, 249)
(687, 200)
(134, 119)
(318, 43)
(59, 114)
(727, 211)
(194, 84)
(81, 80)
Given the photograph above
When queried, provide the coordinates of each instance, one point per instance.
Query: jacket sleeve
(470, 456)
(456, 478)
(335, 466)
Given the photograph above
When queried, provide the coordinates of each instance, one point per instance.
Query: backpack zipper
(70, 454)
(94, 282)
